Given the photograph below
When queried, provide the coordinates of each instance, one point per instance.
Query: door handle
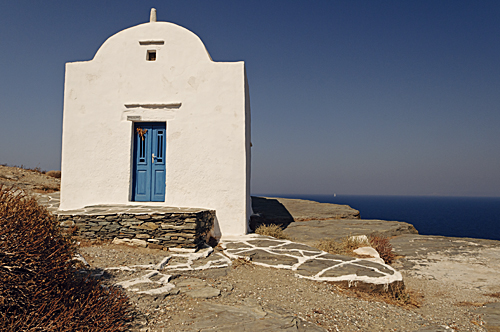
(153, 158)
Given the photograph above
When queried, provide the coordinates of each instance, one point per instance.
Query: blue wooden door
(149, 162)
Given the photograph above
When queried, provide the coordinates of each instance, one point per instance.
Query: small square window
(151, 56)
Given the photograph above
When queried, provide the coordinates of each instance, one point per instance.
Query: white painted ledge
(154, 105)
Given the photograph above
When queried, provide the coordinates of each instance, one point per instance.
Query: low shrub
(241, 262)
(272, 230)
(396, 294)
(345, 246)
(39, 287)
(330, 245)
(383, 247)
(54, 174)
(47, 189)
(33, 169)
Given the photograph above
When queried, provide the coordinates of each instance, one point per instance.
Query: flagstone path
(309, 262)
(306, 261)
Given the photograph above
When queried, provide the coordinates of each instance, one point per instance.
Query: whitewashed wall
(208, 135)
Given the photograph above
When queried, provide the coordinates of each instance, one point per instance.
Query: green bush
(40, 289)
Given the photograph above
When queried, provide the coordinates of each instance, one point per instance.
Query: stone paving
(50, 201)
(309, 262)
(154, 279)
(306, 261)
(160, 278)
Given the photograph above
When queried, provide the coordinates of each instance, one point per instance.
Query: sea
(475, 217)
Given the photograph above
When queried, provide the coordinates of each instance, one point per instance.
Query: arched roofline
(156, 28)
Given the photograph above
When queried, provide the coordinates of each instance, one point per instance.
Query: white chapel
(153, 120)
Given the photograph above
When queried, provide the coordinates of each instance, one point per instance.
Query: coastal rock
(284, 211)
(465, 263)
(310, 232)
(303, 210)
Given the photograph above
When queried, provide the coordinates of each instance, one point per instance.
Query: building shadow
(269, 211)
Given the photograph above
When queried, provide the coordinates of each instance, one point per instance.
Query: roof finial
(152, 16)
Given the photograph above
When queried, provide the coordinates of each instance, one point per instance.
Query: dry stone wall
(155, 230)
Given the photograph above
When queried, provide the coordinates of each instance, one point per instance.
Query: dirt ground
(441, 305)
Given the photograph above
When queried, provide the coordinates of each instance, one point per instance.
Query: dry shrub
(330, 245)
(54, 174)
(396, 294)
(494, 294)
(355, 242)
(400, 295)
(383, 247)
(272, 230)
(242, 262)
(47, 189)
(345, 246)
(34, 169)
(39, 287)
(470, 304)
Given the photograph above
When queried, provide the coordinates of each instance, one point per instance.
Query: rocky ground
(453, 282)
(27, 179)
(246, 297)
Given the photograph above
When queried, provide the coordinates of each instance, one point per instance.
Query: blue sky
(347, 97)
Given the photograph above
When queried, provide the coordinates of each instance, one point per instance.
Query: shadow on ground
(269, 211)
